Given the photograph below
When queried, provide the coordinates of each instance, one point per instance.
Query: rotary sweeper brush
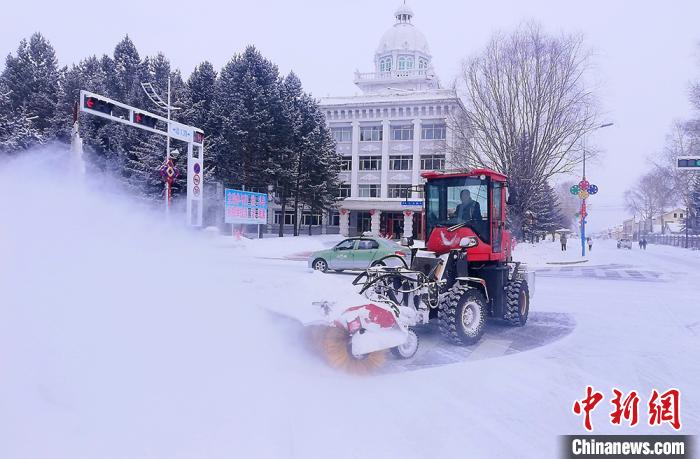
(465, 275)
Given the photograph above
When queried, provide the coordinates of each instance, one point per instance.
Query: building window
(370, 163)
(342, 134)
(369, 191)
(344, 190)
(399, 191)
(309, 219)
(289, 217)
(675, 215)
(432, 162)
(422, 63)
(402, 132)
(681, 216)
(334, 219)
(346, 163)
(385, 64)
(401, 163)
(406, 62)
(370, 134)
(434, 131)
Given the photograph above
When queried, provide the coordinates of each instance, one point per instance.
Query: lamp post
(584, 189)
(156, 99)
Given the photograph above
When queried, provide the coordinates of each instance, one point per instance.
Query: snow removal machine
(464, 275)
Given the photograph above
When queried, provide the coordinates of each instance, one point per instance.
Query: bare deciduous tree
(528, 107)
(651, 196)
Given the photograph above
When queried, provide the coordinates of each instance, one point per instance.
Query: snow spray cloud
(121, 336)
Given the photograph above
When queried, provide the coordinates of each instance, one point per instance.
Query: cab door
(343, 254)
(497, 216)
(365, 251)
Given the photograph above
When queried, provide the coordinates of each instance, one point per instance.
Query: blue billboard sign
(245, 207)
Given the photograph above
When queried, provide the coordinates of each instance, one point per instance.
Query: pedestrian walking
(589, 241)
(644, 243)
(562, 239)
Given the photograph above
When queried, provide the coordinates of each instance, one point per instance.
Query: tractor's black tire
(462, 315)
(517, 302)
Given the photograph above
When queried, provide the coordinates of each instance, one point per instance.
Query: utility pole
(584, 189)
(167, 106)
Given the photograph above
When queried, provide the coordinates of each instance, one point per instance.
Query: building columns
(415, 174)
(384, 173)
(375, 221)
(407, 223)
(355, 151)
(344, 222)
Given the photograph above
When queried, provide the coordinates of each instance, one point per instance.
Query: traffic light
(198, 137)
(98, 105)
(688, 162)
(144, 120)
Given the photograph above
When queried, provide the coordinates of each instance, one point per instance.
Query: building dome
(403, 35)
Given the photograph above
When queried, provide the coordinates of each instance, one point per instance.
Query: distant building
(389, 134)
(671, 222)
(629, 229)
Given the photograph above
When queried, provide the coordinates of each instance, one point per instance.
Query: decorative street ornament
(574, 190)
(343, 211)
(169, 172)
(408, 213)
(592, 189)
(583, 194)
(583, 184)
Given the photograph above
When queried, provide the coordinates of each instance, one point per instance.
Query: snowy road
(124, 337)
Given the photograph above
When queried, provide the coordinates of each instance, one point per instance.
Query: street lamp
(584, 189)
(156, 99)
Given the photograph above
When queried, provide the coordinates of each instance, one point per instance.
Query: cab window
(347, 244)
(367, 244)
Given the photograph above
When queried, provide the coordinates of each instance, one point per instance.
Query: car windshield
(451, 201)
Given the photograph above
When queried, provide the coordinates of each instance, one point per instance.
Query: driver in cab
(468, 210)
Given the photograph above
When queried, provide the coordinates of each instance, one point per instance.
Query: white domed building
(397, 128)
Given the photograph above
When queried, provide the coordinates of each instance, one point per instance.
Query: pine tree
(245, 108)
(32, 82)
(17, 131)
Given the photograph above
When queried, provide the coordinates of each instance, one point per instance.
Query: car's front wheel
(320, 264)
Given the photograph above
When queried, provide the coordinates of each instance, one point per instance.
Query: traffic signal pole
(110, 109)
(167, 157)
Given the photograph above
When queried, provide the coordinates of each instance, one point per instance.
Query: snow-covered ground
(122, 336)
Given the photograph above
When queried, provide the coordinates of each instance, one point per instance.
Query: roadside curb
(566, 262)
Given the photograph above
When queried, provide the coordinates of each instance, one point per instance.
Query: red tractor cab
(470, 204)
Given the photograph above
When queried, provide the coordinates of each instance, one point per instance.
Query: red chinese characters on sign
(665, 408)
(627, 409)
(587, 405)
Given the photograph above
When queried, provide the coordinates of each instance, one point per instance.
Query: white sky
(647, 52)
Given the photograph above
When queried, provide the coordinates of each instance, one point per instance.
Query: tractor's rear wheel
(517, 302)
(462, 315)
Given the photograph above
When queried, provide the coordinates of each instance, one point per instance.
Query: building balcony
(393, 75)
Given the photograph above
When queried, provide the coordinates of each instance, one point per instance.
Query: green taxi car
(356, 253)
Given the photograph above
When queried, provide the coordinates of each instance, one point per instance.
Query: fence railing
(675, 240)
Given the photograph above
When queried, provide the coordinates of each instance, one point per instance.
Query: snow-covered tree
(33, 80)
(17, 131)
